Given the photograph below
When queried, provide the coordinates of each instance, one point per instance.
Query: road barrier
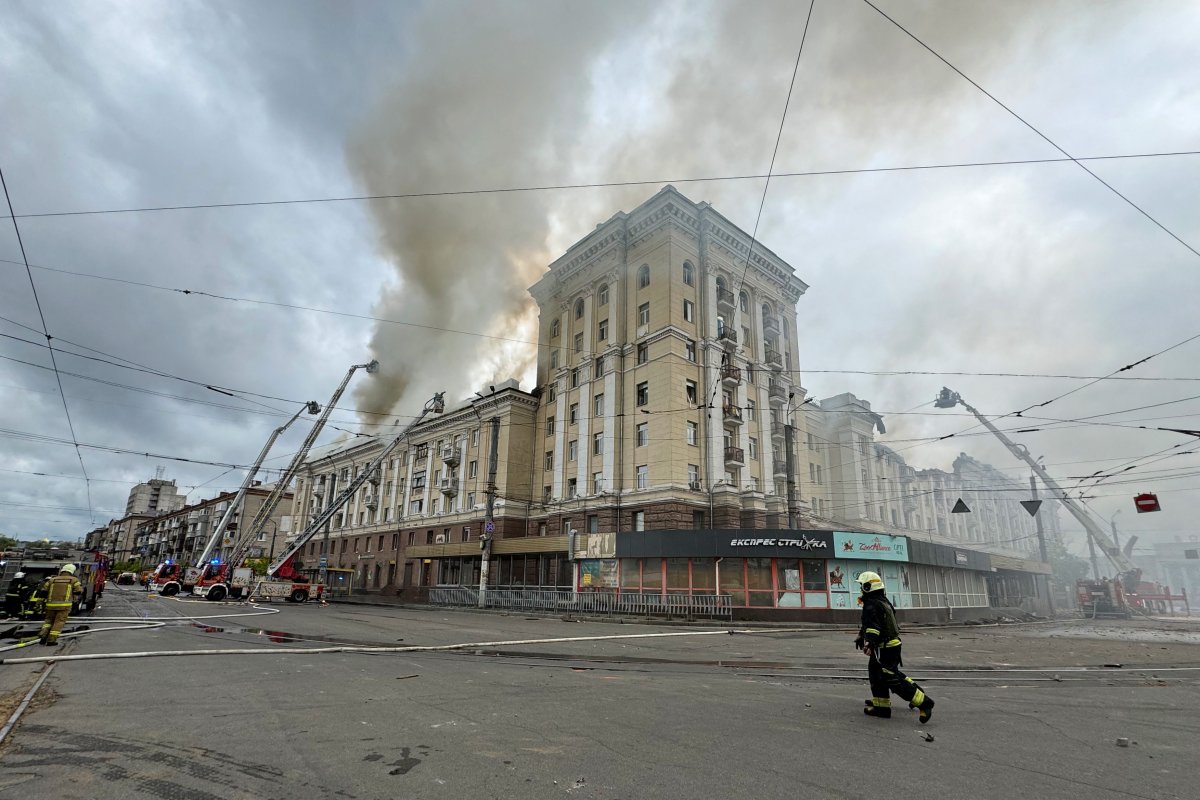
(686, 606)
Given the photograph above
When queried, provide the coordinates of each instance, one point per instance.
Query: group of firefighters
(55, 595)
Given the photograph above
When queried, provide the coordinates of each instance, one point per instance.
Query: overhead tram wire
(49, 342)
(1031, 127)
(775, 152)
(598, 185)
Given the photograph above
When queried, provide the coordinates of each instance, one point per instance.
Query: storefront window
(733, 580)
(652, 573)
(704, 576)
(814, 575)
(631, 573)
(677, 574)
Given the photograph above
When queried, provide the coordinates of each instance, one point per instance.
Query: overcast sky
(1036, 268)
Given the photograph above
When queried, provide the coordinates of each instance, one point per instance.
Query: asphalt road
(687, 712)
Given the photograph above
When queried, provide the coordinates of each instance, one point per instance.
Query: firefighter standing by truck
(879, 639)
(60, 592)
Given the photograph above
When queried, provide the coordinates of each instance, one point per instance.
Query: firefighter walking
(60, 592)
(879, 639)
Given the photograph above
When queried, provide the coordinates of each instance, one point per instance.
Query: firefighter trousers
(52, 627)
(887, 679)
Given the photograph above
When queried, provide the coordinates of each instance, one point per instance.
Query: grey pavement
(769, 714)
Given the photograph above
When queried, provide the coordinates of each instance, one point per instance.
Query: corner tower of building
(667, 368)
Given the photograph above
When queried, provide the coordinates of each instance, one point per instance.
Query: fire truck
(285, 577)
(91, 568)
(1095, 598)
(217, 579)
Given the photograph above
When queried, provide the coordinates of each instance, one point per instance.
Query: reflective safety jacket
(61, 590)
(879, 628)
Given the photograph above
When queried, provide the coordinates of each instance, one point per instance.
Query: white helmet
(18, 576)
(68, 568)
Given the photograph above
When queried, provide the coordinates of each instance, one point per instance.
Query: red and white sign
(1146, 502)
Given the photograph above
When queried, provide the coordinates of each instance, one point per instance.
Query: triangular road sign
(1031, 506)
(960, 508)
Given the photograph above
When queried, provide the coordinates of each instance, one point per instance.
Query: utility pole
(1041, 534)
(793, 511)
(489, 520)
(1092, 555)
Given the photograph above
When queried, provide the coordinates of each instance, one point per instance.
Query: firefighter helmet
(68, 568)
(870, 582)
(18, 576)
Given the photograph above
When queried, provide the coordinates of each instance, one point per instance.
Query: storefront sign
(799, 543)
(960, 557)
(880, 546)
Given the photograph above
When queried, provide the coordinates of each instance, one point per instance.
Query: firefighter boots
(926, 709)
(878, 707)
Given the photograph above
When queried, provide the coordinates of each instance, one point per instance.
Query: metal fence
(708, 606)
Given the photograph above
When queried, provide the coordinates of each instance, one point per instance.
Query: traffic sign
(1031, 506)
(489, 526)
(324, 561)
(1146, 502)
(960, 508)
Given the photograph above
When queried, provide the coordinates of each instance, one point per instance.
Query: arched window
(579, 308)
(744, 301)
(643, 276)
(689, 274)
(766, 310)
(602, 295)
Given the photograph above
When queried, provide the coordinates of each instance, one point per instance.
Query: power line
(775, 152)
(1029, 125)
(46, 332)
(600, 185)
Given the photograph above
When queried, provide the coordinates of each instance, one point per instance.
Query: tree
(259, 565)
(1067, 566)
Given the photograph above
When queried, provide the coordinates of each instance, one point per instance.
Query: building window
(598, 405)
(639, 520)
(470, 500)
(546, 494)
(418, 481)
(574, 412)
(689, 392)
(473, 469)
(694, 476)
(541, 529)
(643, 353)
(644, 314)
(572, 488)
(643, 279)
(575, 378)
(412, 538)
(597, 444)
(698, 520)
(593, 523)
(812, 473)
(602, 331)
(578, 343)
(466, 534)
(750, 374)
(554, 358)
(554, 329)
(643, 476)
(643, 434)
(820, 479)
(415, 507)
(689, 311)
(743, 302)
(693, 432)
(602, 295)
(579, 308)
(643, 393)
(549, 426)
(753, 447)
(689, 274)
(549, 459)
(597, 482)
(689, 348)
(551, 396)
(599, 366)
(750, 410)
(572, 449)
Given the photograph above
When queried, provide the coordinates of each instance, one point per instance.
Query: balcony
(780, 468)
(777, 392)
(774, 359)
(777, 431)
(725, 301)
(448, 486)
(371, 501)
(728, 338)
(735, 456)
(731, 375)
(732, 414)
(770, 324)
(450, 456)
